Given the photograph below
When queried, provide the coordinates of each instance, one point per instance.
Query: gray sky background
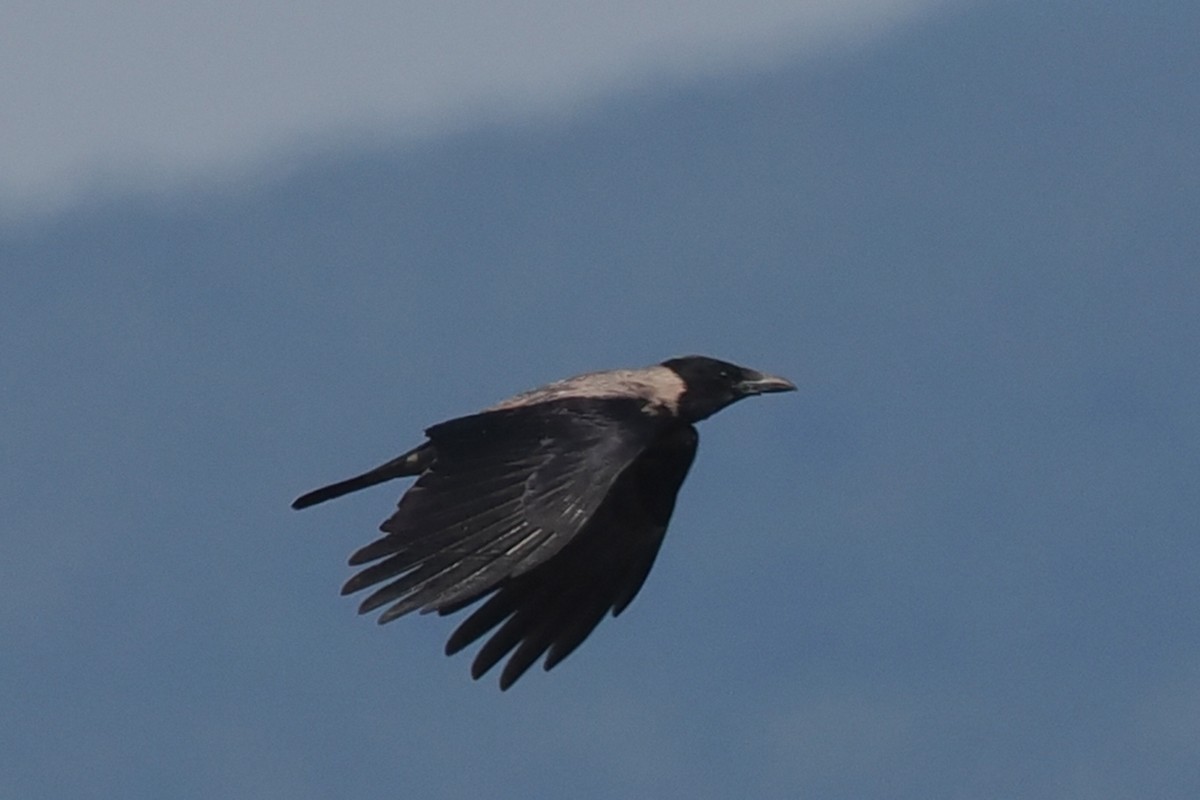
(961, 562)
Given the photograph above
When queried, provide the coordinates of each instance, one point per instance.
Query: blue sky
(961, 562)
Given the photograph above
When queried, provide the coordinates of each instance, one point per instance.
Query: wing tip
(305, 501)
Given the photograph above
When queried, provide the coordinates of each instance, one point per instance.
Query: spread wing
(506, 491)
(552, 608)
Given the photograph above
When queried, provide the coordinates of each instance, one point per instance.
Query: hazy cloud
(113, 91)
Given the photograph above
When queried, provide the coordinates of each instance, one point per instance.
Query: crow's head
(710, 384)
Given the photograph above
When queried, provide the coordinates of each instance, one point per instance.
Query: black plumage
(554, 503)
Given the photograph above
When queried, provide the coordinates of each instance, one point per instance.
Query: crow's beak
(762, 383)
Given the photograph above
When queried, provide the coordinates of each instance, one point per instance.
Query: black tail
(413, 462)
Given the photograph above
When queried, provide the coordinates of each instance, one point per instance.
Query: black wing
(551, 609)
(507, 491)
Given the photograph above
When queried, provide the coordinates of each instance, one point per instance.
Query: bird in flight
(552, 504)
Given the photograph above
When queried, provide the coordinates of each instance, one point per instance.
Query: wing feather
(552, 609)
(556, 511)
(507, 489)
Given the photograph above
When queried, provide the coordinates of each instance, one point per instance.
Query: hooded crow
(553, 502)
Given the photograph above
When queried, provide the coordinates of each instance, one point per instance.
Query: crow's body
(554, 502)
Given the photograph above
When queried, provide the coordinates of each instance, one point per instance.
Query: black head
(710, 385)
